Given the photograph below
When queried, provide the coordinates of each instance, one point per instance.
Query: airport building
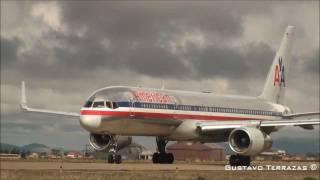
(185, 151)
(146, 155)
(271, 155)
(132, 152)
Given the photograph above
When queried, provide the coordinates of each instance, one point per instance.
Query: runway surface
(103, 166)
(52, 170)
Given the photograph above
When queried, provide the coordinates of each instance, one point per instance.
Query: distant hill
(295, 146)
(8, 147)
(34, 147)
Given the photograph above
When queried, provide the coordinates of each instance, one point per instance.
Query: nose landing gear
(162, 157)
(113, 157)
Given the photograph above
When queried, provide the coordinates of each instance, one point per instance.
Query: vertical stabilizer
(275, 85)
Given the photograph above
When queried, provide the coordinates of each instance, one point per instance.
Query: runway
(53, 170)
(11, 165)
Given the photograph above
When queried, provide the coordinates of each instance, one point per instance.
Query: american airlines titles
(279, 79)
(153, 97)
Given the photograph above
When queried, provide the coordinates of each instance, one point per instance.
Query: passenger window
(109, 104)
(98, 104)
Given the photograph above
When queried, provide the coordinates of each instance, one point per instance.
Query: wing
(23, 105)
(209, 127)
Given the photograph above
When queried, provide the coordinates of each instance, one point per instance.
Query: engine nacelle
(102, 142)
(249, 141)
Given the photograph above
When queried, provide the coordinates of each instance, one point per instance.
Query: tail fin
(275, 85)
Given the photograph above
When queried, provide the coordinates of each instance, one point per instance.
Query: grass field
(48, 170)
(143, 175)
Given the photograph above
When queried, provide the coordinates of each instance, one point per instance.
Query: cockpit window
(88, 104)
(114, 105)
(98, 104)
(109, 104)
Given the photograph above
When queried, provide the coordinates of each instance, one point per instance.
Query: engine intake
(249, 141)
(102, 142)
(99, 142)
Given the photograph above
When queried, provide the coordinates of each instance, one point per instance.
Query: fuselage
(139, 111)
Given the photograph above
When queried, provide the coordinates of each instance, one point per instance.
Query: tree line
(22, 153)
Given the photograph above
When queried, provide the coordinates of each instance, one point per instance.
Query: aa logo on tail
(279, 79)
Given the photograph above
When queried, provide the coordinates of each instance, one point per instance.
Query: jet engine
(102, 142)
(249, 141)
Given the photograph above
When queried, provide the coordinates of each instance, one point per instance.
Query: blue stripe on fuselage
(198, 108)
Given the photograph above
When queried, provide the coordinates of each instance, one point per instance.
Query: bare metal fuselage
(160, 112)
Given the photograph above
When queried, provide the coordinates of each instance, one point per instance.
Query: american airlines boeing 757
(113, 114)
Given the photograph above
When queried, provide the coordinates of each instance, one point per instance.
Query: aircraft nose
(90, 122)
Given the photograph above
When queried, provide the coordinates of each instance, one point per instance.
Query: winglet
(23, 102)
(23, 106)
(163, 87)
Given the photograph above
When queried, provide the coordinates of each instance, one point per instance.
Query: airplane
(112, 115)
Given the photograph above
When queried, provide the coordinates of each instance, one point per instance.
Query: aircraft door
(132, 108)
(175, 107)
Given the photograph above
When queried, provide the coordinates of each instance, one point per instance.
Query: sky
(64, 50)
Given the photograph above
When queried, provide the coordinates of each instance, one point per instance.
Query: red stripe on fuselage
(148, 115)
(105, 113)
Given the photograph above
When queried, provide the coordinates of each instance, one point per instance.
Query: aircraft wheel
(238, 160)
(110, 159)
(246, 161)
(163, 158)
(233, 160)
(155, 158)
(170, 158)
(118, 159)
(166, 158)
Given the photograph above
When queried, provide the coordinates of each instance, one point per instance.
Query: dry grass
(56, 160)
(131, 172)
(152, 175)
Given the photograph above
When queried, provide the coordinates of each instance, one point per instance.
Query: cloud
(137, 21)
(311, 63)
(253, 60)
(65, 50)
(49, 13)
(9, 51)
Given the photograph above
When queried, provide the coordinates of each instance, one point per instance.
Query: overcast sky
(65, 50)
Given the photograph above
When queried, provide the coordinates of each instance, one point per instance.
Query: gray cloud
(81, 46)
(311, 63)
(231, 63)
(140, 21)
(9, 50)
(155, 62)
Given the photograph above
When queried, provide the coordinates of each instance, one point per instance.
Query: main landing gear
(239, 160)
(113, 157)
(162, 157)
